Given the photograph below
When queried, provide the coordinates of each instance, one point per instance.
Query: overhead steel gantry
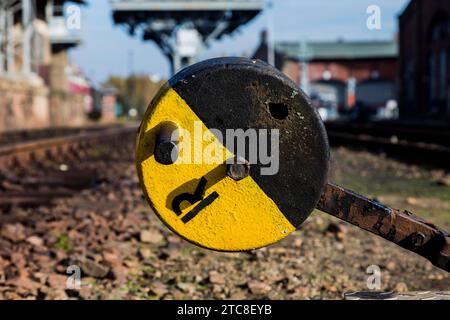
(182, 28)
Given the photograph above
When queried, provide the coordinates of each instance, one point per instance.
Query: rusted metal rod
(400, 227)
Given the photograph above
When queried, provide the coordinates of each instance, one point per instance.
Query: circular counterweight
(212, 104)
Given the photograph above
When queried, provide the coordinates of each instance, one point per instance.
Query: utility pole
(130, 62)
(305, 56)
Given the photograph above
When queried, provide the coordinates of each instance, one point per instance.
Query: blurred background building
(338, 75)
(425, 59)
(39, 86)
(365, 79)
(407, 77)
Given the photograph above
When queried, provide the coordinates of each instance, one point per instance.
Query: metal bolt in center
(239, 169)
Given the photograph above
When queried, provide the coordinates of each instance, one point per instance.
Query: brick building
(425, 59)
(36, 82)
(342, 71)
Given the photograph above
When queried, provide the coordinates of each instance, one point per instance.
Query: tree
(134, 92)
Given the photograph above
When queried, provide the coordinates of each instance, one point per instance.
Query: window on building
(432, 75)
(375, 93)
(448, 74)
(408, 80)
(439, 63)
(443, 74)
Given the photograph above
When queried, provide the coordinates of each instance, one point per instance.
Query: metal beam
(400, 227)
(10, 61)
(2, 38)
(49, 10)
(27, 25)
(177, 5)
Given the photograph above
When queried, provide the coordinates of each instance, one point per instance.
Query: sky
(107, 48)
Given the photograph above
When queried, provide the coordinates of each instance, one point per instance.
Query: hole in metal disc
(278, 110)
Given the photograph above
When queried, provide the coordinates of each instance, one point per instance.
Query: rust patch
(401, 227)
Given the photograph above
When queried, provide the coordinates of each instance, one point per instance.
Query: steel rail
(400, 143)
(29, 147)
(400, 227)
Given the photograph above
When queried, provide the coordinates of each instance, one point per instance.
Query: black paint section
(202, 205)
(189, 197)
(238, 93)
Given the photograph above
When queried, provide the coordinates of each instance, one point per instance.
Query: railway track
(20, 136)
(95, 224)
(38, 171)
(414, 143)
(35, 173)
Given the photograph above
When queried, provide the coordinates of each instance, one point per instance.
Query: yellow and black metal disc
(198, 199)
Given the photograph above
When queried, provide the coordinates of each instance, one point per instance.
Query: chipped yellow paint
(242, 218)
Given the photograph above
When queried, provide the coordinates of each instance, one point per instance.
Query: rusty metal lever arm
(400, 227)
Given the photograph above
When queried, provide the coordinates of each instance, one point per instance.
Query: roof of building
(344, 50)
